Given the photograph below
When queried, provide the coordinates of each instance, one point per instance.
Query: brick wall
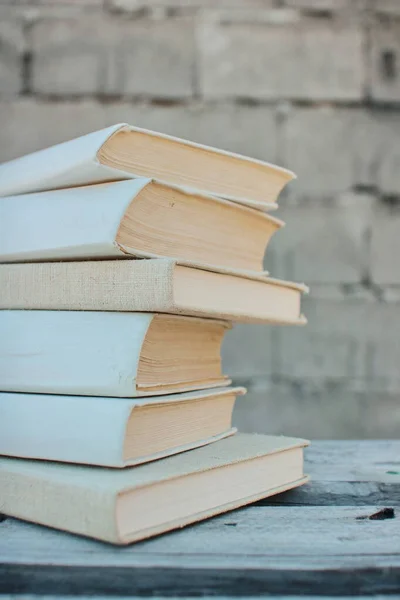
(311, 84)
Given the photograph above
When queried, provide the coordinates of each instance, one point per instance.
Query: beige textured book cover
(138, 502)
(154, 285)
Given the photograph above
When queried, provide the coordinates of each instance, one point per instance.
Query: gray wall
(311, 84)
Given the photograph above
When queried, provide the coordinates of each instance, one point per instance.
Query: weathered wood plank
(51, 597)
(348, 473)
(178, 582)
(370, 453)
(295, 535)
(339, 493)
(354, 461)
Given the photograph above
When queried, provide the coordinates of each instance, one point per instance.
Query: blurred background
(313, 85)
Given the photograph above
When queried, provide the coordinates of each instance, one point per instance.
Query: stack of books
(125, 257)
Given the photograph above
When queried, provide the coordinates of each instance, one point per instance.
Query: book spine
(76, 429)
(72, 508)
(68, 164)
(71, 223)
(71, 352)
(122, 285)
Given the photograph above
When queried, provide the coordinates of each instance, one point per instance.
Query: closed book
(112, 432)
(141, 218)
(125, 152)
(153, 285)
(108, 353)
(128, 505)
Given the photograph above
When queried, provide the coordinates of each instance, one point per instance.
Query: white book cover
(78, 352)
(76, 162)
(67, 164)
(85, 429)
(68, 223)
(85, 222)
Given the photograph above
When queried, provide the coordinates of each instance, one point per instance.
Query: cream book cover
(128, 505)
(112, 432)
(125, 152)
(109, 353)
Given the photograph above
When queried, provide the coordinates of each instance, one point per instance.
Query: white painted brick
(391, 294)
(385, 62)
(92, 54)
(81, 3)
(319, 413)
(331, 6)
(28, 125)
(158, 58)
(389, 8)
(295, 60)
(327, 347)
(50, 3)
(317, 5)
(347, 340)
(32, 12)
(12, 45)
(362, 292)
(385, 246)
(70, 56)
(247, 130)
(383, 151)
(323, 242)
(250, 350)
(330, 149)
(132, 6)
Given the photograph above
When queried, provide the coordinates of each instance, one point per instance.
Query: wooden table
(317, 540)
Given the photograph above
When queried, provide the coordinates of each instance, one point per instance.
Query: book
(153, 285)
(109, 353)
(128, 505)
(141, 217)
(112, 432)
(125, 152)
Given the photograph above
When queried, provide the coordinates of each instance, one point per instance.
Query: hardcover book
(128, 505)
(153, 285)
(125, 152)
(141, 217)
(112, 432)
(108, 353)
